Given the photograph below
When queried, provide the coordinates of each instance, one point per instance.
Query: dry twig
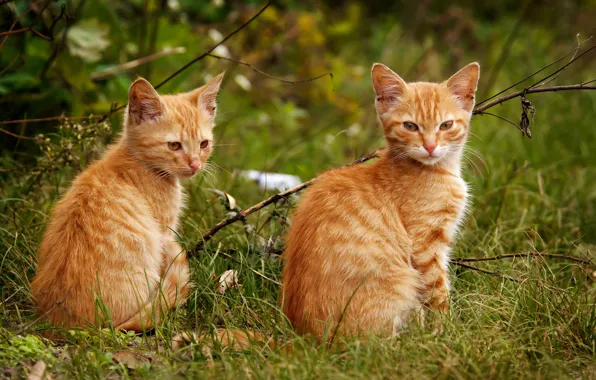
(496, 274)
(272, 76)
(523, 254)
(102, 74)
(246, 212)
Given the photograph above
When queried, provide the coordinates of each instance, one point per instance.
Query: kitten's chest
(440, 207)
(167, 206)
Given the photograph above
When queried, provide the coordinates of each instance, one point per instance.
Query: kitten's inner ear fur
(388, 86)
(463, 85)
(144, 103)
(205, 97)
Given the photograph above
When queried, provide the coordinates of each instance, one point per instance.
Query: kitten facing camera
(369, 245)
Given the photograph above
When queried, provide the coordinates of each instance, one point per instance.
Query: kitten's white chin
(428, 160)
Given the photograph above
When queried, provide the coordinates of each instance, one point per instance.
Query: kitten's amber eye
(410, 126)
(174, 145)
(446, 125)
(204, 144)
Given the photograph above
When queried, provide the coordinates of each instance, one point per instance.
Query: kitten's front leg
(174, 271)
(432, 265)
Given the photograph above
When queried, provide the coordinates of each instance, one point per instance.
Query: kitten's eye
(204, 144)
(410, 126)
(174, 145)
(446, 125)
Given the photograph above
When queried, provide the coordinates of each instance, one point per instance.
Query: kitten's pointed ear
(388, 86)
(144, 103)
(206, 96)
(463, 85)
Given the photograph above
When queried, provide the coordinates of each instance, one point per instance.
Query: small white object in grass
(173, 5)
(222, 51)
(215, 35)
(273, 181)
(229, 279)
(353, 129)
(243, 82)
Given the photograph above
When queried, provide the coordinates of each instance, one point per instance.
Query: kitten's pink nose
(195, 164)
(430, 147)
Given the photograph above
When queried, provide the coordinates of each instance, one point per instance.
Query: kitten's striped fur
(374, 240)
(111, 239)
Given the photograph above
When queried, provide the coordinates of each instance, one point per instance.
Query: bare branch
(102, 74)
(528, 77)
(10, 64)
(581, 86)
(523, 254)
(500, 117)
(497, 274)
(199, 58)
(543, 81)
(269, 75)
(17, 136)
(52, 118)
(35, 31)
(244, 213)
(6, 37)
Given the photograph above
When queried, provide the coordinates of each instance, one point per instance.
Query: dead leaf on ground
(229, 279)
(38, 372)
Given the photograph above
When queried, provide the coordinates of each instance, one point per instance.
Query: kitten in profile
(109, 252)
(369, 245)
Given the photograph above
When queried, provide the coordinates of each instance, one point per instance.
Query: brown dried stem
(246, 212)
(570, 87)
(497, 274)
(272, 76)
(523, 254)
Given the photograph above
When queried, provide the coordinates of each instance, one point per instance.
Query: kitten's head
(426, 122)
(172, 133)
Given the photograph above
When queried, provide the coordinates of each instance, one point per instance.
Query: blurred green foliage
(529, 195)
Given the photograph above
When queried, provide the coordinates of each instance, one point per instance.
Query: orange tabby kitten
(110, 250)
(374, 240)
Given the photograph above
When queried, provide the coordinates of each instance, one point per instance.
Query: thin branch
(523, 254)
(17, 136)
(10, 64)
(581, 86)
(52, 118)
(500, 117)
(102, 74)
(579, 44)
(35, 31)
(244, 213)
(528, 77)
(269, 75)
(200, 57)
(59, 46)
(497, 274)
(6, 37)
(541, 82)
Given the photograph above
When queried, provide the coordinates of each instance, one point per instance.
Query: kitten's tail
(173, 291)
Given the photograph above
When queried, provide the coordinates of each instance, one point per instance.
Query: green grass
(528, 195)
